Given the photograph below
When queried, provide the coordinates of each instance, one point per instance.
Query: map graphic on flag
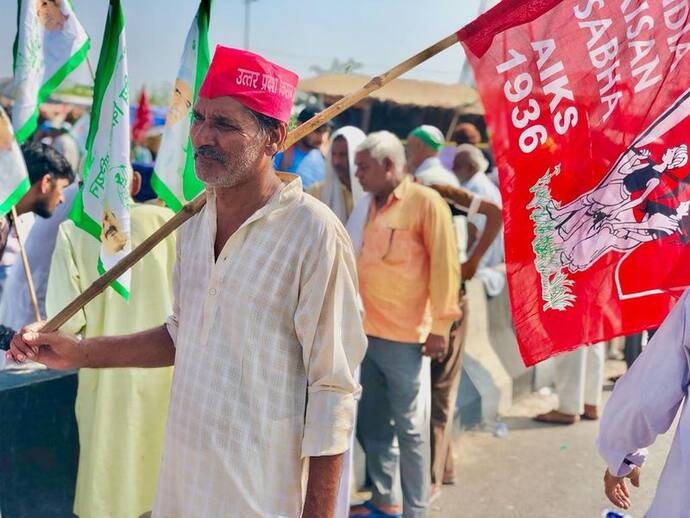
(588, 106)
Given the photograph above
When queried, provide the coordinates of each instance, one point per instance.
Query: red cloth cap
(260, 85)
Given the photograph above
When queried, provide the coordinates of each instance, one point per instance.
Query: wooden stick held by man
(27, 267)
(198, 203)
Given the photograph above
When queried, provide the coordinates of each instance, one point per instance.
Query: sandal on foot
(374, 512)
(556, 417)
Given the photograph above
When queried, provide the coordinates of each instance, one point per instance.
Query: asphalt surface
(538, 471)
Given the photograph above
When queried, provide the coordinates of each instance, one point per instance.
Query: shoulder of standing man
(426, 195)
(318, 215)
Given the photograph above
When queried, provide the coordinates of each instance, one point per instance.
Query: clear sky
(293, 33)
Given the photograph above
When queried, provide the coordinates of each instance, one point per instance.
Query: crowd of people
(408, 217)
(274, 308)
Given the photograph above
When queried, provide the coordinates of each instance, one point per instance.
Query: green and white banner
(174, 179)
(102, 206)
(50, 44)
(14, 179)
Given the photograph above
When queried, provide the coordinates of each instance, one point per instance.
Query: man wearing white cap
(423, 146)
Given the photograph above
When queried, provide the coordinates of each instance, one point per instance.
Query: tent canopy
(404, 92)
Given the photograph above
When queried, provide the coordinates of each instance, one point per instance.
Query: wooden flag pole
(88, 64)
(198, 203)
(27, 267)
(376, 83)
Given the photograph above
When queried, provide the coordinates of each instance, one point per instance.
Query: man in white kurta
(262, 364)
(644, 404)
(17, 311)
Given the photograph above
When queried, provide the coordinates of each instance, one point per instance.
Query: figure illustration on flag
(181, 102)
(50, 14)
(14, 178)
(619, 214)
(171, 161)
(174, 179)
(50, 44)
(638, 201)
(102, 206)
(6, 136)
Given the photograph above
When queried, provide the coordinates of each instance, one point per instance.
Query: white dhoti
(579, 378)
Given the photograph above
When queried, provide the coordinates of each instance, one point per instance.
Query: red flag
(588, 104)
(144, 118)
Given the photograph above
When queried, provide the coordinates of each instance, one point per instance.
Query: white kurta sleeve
(329, 327)
(171, 324)
(646, 399)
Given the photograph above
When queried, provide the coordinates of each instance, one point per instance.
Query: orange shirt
(409, 275)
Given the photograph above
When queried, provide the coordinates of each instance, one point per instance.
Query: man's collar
(290, 188)
(287, 178)
(402, 188)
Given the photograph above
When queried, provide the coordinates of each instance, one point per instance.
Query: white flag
(14, 178)
(174, 179)
(102, 206)
(50, 44)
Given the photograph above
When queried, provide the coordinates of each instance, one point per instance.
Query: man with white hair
(341, 190)
(409, 281)
(424, 144)
(469, 165)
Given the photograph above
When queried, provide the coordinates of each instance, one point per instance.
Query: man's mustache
(211, 153)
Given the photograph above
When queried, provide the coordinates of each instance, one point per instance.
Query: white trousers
(579, 378)
(347, 475)
(342, 506)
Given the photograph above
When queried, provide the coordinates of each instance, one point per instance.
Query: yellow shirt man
(409, 280)
(121, 413)
(408, 267)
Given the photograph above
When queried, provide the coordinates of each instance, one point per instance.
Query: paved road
(537, 471)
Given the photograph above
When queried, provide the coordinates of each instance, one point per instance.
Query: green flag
(174, 179)
(50, 44)
(102, 206)
(14, 179)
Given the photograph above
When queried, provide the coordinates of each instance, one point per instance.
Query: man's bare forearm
(322, 488)
(151, 348)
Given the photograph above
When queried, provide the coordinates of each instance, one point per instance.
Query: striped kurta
(267, 338)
